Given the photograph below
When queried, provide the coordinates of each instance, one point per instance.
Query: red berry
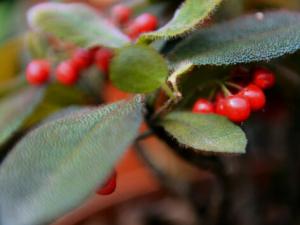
(109, 186)
(38, 72)
(121, 13)
(67, 73)
(146, 22)
(103, 58)
(143, 23)
(255, 96)
(219, 96)
(219, 108)
(82, 58)
(264, 78)
(203, 106)
(237, 108)
(93, 51)
(133, 31)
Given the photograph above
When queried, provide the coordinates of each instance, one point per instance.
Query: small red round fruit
(237, 108)
(133, 31)
(255, 96)
(219, 96)
(110, 185)
(219, 108)
(67, 73)
(82, 58)
(103, 58)
(264, 78)
(143, 23)
(203, 106)
(146, 22)
(38, 72)
(121, 13)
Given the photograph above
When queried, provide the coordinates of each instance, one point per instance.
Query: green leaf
(14, 110)
(138, 69)
(61, 163)
(12, 85)
(187, 17)
(76, 23)
(56, 97)
(205, 132)
(251, 38)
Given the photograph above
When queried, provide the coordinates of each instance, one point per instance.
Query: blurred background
(260, 187)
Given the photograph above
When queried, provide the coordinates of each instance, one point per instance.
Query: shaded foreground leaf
(250, 38)
(59, 164)
(205, 132)
(75, 23)
(16, 108)
(189, 15)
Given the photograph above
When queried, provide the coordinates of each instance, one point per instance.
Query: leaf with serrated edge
(14, 109)
(247, 39)
(138, 69)
(76, 23)
(186, 18)
(61, 163)
(205, 132)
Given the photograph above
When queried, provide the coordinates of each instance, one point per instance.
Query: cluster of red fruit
(68, 71)
(237, 107)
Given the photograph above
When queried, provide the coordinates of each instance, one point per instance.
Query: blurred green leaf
(251, 38)
(56, 97)
(14, 110)
(75, 23)
(10, 59)
(189, 15)
(12, 85)
(138, 69)
(61, 163)
(205, 132)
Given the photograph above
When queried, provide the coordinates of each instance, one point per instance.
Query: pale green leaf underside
(75, 23)
(59, 164)
(138, 69)
(205, 132)
(14, 109)
(187, 17)
(251, 38)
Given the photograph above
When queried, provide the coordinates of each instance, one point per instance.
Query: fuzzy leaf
(205, 132)
(61, 163)
(14, 109)
(138, 69)
(187, 17)
(251, 38)
(76, 23)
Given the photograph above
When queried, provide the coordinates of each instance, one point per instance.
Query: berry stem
(234, 85)
(212, 94)
(225, 90)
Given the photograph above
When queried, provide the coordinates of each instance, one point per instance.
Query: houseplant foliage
(50, 167)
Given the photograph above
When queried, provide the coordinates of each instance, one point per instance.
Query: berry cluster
(68, 71)
(237, 107)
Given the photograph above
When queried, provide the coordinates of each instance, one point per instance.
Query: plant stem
(225, 90)
(168, 91)
(234, 85)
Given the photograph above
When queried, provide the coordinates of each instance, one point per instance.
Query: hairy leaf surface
(62, 162)
(205, 132)
(251, 38)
